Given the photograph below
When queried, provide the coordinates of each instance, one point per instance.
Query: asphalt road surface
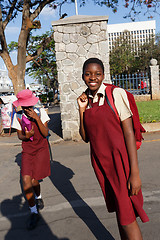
(74, 205)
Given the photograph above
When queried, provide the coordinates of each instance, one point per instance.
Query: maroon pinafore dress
(35, 156)
(110, 162)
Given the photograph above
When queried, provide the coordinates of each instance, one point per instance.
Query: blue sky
(47, 16)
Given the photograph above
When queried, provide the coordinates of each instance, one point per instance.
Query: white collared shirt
(120, 100)
(43, 116)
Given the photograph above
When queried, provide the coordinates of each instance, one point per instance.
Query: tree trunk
(22, 43)
(17, 72)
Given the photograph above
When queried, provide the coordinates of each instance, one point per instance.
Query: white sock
(38, 197)
(34, 209)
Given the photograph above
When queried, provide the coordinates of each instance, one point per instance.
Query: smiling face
(93, 76)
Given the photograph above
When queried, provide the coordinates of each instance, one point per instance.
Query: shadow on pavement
(55, 123)
(16, 209)
(60, 177)
(17, 212)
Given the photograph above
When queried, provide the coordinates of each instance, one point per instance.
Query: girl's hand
(134, 184)
(82, 101)
(30, 133)
(32, 114)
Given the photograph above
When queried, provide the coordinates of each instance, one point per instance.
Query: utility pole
(76, 7)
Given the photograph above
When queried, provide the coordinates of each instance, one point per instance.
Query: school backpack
(137, 127)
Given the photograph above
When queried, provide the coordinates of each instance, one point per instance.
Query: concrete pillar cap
(153, 62)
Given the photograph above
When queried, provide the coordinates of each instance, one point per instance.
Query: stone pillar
(77, 38)
(154, 75)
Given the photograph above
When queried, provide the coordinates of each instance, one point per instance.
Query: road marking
(152, 196)
(153, 140)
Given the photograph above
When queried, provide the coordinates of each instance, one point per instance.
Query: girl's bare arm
(82, 102)
(27, 135)
(134, 181)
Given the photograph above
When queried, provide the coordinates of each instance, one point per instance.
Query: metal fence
(137, 84)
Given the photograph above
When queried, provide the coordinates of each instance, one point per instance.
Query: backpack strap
(109, 98)
(19, 117)
(137, 127)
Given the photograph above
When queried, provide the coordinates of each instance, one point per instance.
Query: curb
(19, 143)
(151, 127)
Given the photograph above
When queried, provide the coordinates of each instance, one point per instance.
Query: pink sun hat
(25, 98)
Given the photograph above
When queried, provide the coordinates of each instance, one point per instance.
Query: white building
(35, 87)
(140, 32)
(5, 83)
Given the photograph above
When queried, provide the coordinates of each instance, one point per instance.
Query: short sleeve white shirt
(43, 116)
(120, 100)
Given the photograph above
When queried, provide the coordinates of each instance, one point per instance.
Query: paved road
(74, 206)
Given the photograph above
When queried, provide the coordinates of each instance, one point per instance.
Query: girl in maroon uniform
(32, 129)
(113, 149)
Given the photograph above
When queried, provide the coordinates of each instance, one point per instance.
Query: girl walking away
(113, 149)
(32, 129)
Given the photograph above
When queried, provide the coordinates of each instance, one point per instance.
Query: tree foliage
(43, 68)
(29, 11)
(122, 56)
(127, 57)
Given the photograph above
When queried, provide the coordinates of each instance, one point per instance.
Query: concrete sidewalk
(152, 127)
(13, 140)
(55, 138)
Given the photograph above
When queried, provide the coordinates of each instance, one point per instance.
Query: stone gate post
(154, 75)
(77, 38)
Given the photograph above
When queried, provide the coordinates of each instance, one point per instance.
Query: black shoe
(39, 204)
(32, 221)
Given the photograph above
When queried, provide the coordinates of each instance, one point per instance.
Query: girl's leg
(28, 190)
(29, 193)
(36, 187)
(130, 231)
(37, 190)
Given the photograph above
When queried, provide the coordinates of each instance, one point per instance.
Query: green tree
(122, 56)
(43, 68)
(128, 56)
(29, 11)
(147, 51)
